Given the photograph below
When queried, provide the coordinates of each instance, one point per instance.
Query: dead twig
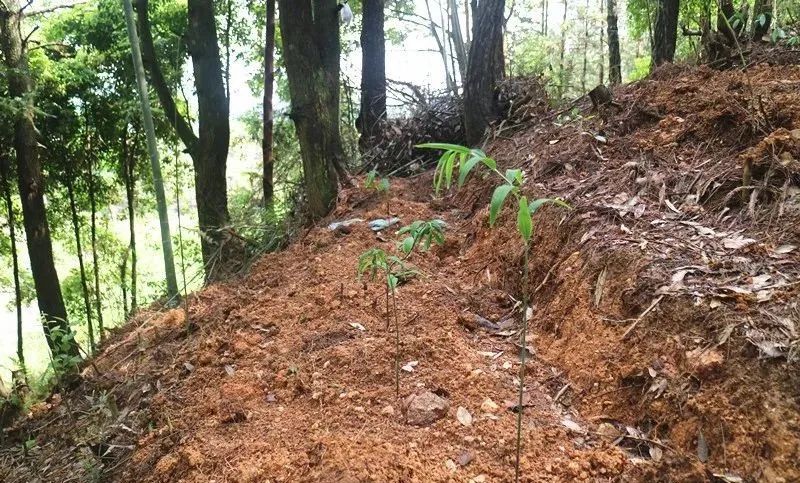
(642, 316)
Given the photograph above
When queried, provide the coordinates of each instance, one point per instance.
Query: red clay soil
(664, 325)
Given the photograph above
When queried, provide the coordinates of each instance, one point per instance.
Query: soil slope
(664, 330)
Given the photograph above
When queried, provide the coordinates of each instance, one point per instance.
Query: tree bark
(311, 49)
(459, 46)
(545, 15)
(665, 32)
(152, 148)
(585, 46)
(5, 179)
(602, 45)
(129, 173)
(485, 69)
(373, 72)
(209, 148)
(210, 160)
(31, 185)
(98, 302)
(76, 229)
(268, 116)
(451, 84)
(614, 57)
(562, 72)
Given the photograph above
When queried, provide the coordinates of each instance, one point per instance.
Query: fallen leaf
(229, 370)
(656, 453)
(784, 249)
(409, 367)
(728, 478)
(760, 281)
(702, 447)
(572, 426)
(736, 243)
(358, 326)
(463, 416)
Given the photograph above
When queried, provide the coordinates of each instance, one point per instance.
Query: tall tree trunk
(152, 148)
(602, 45)
(562, 72)
(76, 229)
(98, 302)
(585, 47)
(269, 87)
(665, 32)
(31, 184)
(129, 174)
(485, 69)
(725, 20)
(761, 24)
(373, 72)
(227, 40)
(311, 50)
(213, 130)
(5, 179)
(468, 25)
(440, 43)
(614, 57)
(545, 15)
(209, 148)
(459, 46)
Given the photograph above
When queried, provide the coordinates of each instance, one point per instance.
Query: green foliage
(62, 363)
(373, 181)
(421, 234)
(464, 160)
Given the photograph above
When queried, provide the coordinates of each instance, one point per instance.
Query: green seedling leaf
(476, 157)
(498, 197)
(524, 222)
(369, 182)
(538, 203)
(444, 146)
(407, 245)
(391, 281)
(490, 163)
(384, 185)
(448, 169)
(514, 176)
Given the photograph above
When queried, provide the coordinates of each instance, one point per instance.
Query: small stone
(489, 406)
(424, 409)
(388, 410)
(465, 457)
(608, 431)
(463, 416)
(450, 465)
(704, 363)
(478, 479)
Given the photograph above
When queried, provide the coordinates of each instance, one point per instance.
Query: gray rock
(425, 408)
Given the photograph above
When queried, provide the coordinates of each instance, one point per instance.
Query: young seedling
(375, 263)
(462, 160)
(421, 234)
(380, 185)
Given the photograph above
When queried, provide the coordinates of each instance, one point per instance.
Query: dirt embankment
(664, 323)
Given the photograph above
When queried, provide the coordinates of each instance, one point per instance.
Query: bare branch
(49, 9)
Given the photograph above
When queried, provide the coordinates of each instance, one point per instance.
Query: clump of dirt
(663, 337)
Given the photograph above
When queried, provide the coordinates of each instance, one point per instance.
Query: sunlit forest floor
(663, 333)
